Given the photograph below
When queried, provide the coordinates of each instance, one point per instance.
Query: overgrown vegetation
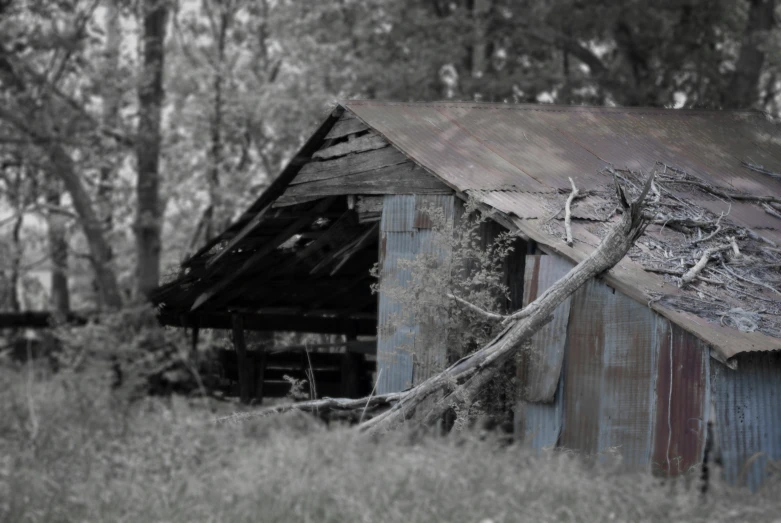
(464, 258)
(71, 450)
(461, 260)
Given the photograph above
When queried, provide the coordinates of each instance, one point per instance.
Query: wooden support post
(194, 344)
(260, 372)
(241, 359)
(350, 378)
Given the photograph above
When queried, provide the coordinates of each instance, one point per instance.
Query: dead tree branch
(689, 276)
(321, 405)
(568, 212)
(479, 310)
(462, 381)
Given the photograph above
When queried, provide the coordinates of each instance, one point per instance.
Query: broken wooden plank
(251, 226)
(349, 164)
(405, 178)
(346, 126)
(364, 143)
(369, 204)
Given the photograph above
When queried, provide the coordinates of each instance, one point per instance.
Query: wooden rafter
(261, 253)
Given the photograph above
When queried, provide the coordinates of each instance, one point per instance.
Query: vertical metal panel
(543, 360)
(398, 213)
(539, 424)
(399, 334)
(683, 400)
(431, 342)
(610, 375)
(748, 416)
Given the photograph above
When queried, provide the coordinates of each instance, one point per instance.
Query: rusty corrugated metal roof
(518, 159)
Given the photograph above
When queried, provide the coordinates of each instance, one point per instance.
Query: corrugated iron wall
(405, 232)
(748, 416)
(631, 381)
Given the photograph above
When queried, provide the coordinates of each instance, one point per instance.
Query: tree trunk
(150, 96)
(58, 250)
(16, 262)
(100, 253)
(215, 211)
(111, 102)
(743, 89)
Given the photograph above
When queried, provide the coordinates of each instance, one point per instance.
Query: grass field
(72, 451)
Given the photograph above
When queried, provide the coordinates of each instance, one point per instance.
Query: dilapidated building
(637, 360)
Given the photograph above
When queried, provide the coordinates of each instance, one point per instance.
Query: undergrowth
(71, 451)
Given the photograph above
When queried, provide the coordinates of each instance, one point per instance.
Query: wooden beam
(260, 376)
(260, 253)
(276, 322)
(245, 392)
(350, 164)
(346, 126)
(251, 226)
(406, 178)
(364, 143)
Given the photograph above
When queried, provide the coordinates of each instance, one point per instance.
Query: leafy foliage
(461, 260)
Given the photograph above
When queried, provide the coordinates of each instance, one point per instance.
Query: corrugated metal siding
(683, 399)
(748, 416)
(541, 368)
(631, 380)
(400, 336)
(610, 375)
(538, 423)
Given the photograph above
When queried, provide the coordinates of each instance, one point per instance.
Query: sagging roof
(517, 160)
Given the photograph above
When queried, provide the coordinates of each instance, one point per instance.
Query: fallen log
(461, 382)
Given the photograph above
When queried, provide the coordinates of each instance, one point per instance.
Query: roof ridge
(553, 108)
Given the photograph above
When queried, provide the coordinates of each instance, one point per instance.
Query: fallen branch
(461, 382)
(725, 194)
(568, 213)
(324, 404)
(689, 276)
(761, 169)
(674, 272)
(471, 306)
(749, 280)
(771, 211)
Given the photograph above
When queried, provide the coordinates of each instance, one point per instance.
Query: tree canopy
(132, 131)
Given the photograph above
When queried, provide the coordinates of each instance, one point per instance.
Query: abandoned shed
(659, 358)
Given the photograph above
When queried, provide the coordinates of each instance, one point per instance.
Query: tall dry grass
(70, 450)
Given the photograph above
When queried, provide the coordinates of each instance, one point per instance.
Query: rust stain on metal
(513, 157)
(748, 416)
(542, 362)
(683, 399)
